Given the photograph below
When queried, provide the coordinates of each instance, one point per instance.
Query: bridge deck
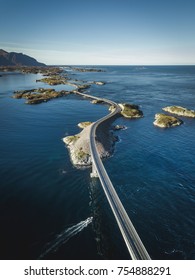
(133, 242)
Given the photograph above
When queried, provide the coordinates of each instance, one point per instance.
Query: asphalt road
(133, 242)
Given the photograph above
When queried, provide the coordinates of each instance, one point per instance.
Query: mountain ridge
(17, 59)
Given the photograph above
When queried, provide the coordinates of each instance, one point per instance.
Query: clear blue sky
(110, 32)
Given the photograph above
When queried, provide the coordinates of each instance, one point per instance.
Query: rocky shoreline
(45, 70)
(79, 148)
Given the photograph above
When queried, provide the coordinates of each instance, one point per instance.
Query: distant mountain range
(17, 59)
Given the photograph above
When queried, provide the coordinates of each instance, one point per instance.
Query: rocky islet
(164, 121)
(37, 96)
(180, 111)
(130, 111)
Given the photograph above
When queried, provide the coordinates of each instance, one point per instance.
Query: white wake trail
(65, 235)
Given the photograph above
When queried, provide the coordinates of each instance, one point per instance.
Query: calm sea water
(51, 210)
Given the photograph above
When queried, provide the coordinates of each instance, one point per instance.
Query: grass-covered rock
(84, 124)
(163, 120)
(36, 96)
(180, 111)
(53, 80)
(131, 111)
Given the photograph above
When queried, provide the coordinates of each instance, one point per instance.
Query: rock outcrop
(119, 127)
(80, 150)
(84, 124)
(100, 83)
(54, 80)
(87, 69)
(97, 101)
(130, 111)
(36, 96)
(180, 111)
(163, 120)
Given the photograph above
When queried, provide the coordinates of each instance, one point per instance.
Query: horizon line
(141, 65)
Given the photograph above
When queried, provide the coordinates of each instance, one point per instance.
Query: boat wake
(64, 236)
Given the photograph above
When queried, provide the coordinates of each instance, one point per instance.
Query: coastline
(79, 149)
(78, 145)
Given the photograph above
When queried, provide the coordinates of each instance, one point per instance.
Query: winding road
(133, 242)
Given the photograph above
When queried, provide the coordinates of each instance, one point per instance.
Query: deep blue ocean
(51, 210)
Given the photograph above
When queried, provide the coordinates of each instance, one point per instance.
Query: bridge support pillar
(94, 172)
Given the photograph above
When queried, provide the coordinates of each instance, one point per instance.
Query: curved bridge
(131, 238)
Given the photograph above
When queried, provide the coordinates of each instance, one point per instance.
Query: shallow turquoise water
(46, 203)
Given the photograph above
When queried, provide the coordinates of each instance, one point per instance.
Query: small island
(131, 111)
(36, 96)
(54, 80)
(78, 69)
(180, 111)
(163, 121)
(79, 148)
